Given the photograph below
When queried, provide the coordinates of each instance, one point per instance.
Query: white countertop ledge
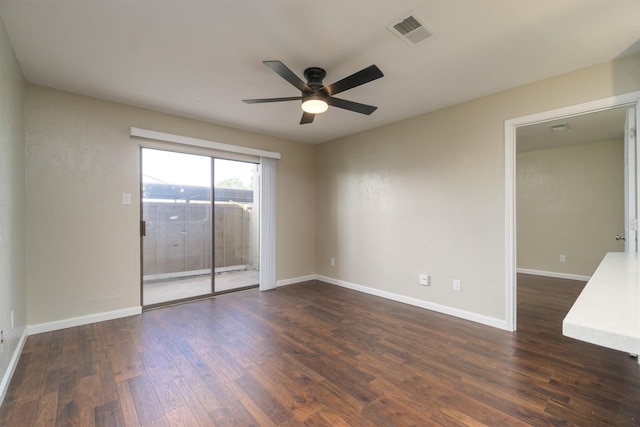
(606, 312)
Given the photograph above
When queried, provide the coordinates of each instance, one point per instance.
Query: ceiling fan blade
(260, 101)
(356, 79)
(351, 106)
(280, 69)
(307, 118)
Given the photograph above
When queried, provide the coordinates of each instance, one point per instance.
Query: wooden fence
(178, 237)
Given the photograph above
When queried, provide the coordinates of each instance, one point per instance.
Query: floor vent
(411, 29)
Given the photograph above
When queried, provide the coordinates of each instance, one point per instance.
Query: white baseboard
(463, 314)
(82, 320)
(553, 274)
(295, 280)
(13, 363)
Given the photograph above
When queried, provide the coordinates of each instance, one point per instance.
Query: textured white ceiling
(200, 58)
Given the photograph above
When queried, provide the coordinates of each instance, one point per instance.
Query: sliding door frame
(267, 161)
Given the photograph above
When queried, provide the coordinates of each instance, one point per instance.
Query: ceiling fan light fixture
(314, 104)
(315, 95)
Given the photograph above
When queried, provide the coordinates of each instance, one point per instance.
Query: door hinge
(143, 228)
(632, 132)
(633, 224)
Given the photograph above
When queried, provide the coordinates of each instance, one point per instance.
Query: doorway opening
(200, 226)
(570, 198)
(630, 103)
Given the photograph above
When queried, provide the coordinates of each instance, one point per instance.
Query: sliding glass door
(236, 225)
(199, 216)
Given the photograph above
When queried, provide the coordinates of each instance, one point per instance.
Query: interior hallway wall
(570, 201)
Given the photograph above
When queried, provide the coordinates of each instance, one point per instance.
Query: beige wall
(12, 193)
(83, 248)
(428, 194)
(570, 201)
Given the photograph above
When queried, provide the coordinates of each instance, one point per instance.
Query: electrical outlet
(425, 280)
(563, 258)
(332, 261)
(456, 285)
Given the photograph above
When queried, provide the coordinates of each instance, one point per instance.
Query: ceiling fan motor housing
(314, 76)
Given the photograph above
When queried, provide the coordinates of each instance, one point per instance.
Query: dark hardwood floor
(316, 354)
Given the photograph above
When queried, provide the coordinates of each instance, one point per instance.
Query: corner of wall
(13, 304)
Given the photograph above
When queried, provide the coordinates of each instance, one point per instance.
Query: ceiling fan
(316, 97)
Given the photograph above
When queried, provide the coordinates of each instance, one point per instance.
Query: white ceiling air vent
(558, 127)
(411, 29)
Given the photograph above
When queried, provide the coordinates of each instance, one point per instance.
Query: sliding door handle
(143, 228)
